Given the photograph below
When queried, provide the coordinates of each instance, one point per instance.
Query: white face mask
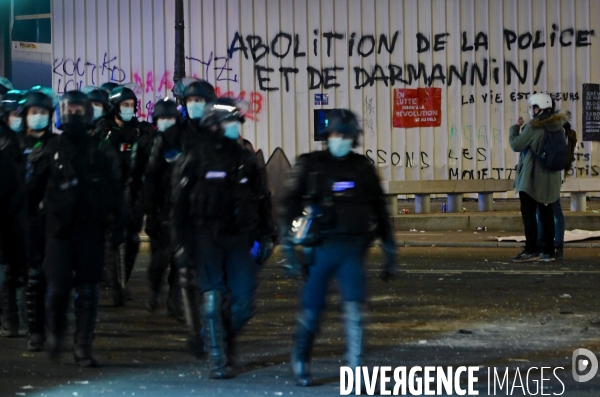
(98, 112)
(38, 121)
(164, 124)
(126, 114)
(15, 123)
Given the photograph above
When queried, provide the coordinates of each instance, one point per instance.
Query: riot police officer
(340, 195)
(132, 140)
(195, 97)
(218, 205)
(77, 177)
(166, 149)
(100, 104)
(35, 108)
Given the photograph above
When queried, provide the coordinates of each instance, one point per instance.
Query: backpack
(554, 155)
(571, 144)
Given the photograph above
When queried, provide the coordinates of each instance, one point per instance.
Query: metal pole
(179, 72)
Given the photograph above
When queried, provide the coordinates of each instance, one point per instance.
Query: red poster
(417, 107)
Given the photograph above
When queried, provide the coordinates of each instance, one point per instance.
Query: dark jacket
(218, 187)
(77, 182)
(348, 192)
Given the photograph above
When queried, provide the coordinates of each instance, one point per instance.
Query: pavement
(505, 217)
(447, 307)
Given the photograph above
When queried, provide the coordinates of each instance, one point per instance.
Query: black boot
(353, 323)
(152, 301)
(115, 271)
(56, 321)
(86, 309)
(10, 310)
(34, 301)
(175, 305)
(304, 337)
(214, 336)
(190, 298)
(236, 314)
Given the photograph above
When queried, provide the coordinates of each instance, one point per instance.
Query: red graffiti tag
(254, 99)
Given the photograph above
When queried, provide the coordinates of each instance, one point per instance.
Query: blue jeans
(341, 261)
(559, 226)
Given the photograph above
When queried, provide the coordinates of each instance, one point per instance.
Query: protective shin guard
(34, 301)
(189, 293)
(306, 330)
(214, 336)
(353, 322)
(10, 310)
(113, 267)
(132, 247)
(238, 314)
(86, 310)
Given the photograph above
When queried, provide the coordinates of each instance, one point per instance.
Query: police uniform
(28, 230)
(168, 146)
(133, 142)
(342, 192)
(219, 204)
(76, 177)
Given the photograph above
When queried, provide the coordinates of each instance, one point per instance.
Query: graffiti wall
(481, 58)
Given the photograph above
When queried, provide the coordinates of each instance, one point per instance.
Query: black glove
(292, 266)
(389, 265)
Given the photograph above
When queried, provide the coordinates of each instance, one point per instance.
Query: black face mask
(75, 128)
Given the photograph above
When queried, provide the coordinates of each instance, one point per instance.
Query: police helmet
(109, 86)
(221, 110)
(343, 121)
(201, 88)
(541, 100)
(121, 94)
(101, 96)
(83, 114)
(36, 98)
(10, 101)
(5, 85)
(165, 108)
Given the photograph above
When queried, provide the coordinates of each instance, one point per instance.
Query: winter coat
(532, 178)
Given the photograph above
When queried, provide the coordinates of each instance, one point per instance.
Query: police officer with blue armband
(219, 204)
(76, 177)
(333, 202)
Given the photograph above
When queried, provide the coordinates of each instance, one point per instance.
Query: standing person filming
(544, 155)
